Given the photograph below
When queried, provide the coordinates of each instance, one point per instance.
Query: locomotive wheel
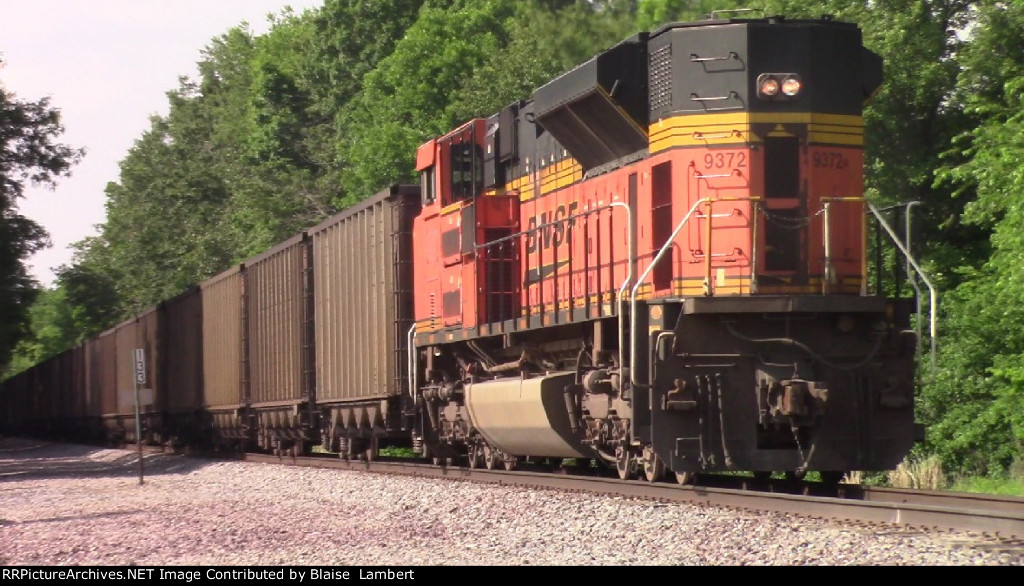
(654, 468)
(685, 478)
(624, 463)
(511, 462)
(475, 454)
(491, 457)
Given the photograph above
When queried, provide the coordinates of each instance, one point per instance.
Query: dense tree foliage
(51, 330)
(280, 130)
(29, 153)
(976, 404)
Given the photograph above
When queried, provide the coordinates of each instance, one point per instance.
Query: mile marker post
(139, 356)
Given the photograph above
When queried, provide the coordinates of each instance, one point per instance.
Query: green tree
(89, 288)
(976, 406)
(654, 13)
(412, 93)
(52, 330)
(226, 174)
(29, 154)
(544, 42)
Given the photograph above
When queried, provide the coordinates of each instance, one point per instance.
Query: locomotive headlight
(767, 86)
(791, 86)
(779, 86)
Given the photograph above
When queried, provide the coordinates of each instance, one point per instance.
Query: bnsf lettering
(559, 230)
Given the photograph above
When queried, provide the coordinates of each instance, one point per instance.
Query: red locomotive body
(660, 260)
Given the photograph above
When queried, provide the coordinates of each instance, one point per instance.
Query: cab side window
(427, 185)
(466, 171)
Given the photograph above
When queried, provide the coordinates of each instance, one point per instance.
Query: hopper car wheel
(491, 457)
(831, 477)
(795, 475)
(762, 476)
(685, 478)
(370, 452)
(654, 468)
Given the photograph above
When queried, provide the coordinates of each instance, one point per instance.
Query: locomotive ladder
(933, 295)
(904, 249)
(707, 201)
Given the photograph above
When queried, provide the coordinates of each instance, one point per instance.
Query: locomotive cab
(457, 218)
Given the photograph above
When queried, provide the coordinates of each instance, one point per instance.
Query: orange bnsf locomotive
(657, 263)
(660, 262)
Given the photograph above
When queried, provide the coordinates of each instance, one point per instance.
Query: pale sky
(107, 66)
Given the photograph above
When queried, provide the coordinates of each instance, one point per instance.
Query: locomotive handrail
(412, 362)
(694, 58)
(631, 262)
(715, 14)
(826, 232)
(697, 98)
(913, 282)
(540, 227)
(932, 292)
(698, 135)
(629, 242)
(933, 295)
(650, 267)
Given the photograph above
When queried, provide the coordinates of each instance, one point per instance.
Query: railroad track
(994, 518)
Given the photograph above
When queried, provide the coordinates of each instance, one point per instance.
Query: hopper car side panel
(363, 310)
(279, 346)
(224, 397)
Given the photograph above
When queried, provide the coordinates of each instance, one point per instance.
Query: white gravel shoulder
(66, 504)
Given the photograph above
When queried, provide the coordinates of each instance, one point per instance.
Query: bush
(926, 474)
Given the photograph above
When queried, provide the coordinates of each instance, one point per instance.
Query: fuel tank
(526, 417)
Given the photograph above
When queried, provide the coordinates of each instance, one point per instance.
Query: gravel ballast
(67, 504)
